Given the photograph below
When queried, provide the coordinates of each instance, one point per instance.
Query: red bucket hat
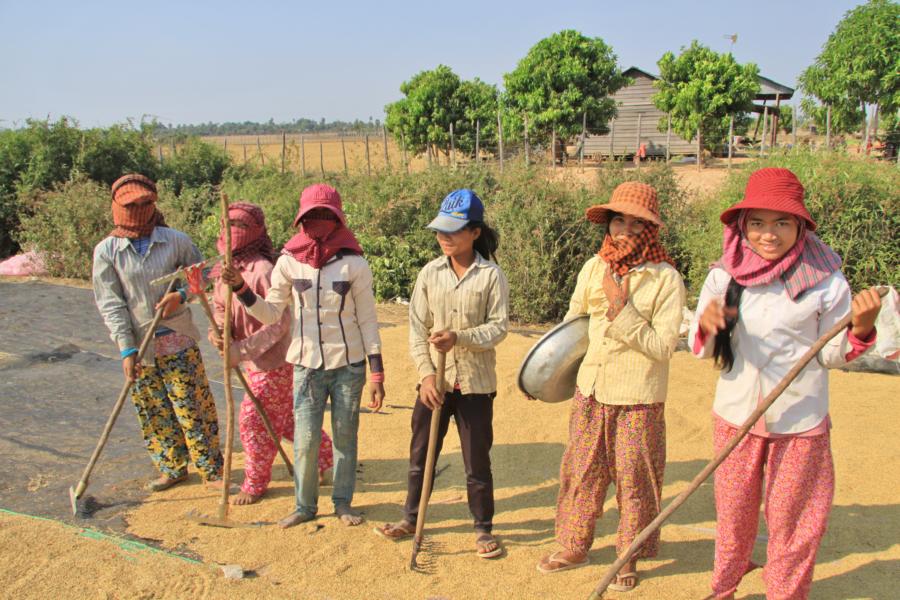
(631, 198)
(320, 195)
(772, 188)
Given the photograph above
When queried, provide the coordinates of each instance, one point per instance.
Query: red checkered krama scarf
(808, 262)
(318, 240)
(134, 207)
(250, 242)
(638, 200)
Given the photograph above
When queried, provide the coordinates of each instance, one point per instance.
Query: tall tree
(561, 78)
(859, 65)
(700, 90)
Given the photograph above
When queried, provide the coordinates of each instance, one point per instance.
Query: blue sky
(195, 61)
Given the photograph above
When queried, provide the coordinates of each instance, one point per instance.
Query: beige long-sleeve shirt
(627, 360)
(475, 307)
(334, 319)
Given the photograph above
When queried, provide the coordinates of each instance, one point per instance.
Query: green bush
(196, 163)
(854, 203)
(65, 224)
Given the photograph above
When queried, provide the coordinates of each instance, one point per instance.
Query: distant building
(638, 119)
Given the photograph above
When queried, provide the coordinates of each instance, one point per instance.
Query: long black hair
(487, 243)
(723, 353)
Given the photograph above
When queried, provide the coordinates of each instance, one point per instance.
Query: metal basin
(549, 370)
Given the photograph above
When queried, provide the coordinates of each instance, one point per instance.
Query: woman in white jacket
(324, 276)
(773, 293)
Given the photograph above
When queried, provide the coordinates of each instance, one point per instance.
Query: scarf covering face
(247, 243)
(134, 207)
(633, 251)
(318, 240)
(809, 261)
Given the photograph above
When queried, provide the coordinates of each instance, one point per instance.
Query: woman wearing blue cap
(459, 307)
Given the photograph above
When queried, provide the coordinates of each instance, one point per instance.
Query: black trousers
(474, 414)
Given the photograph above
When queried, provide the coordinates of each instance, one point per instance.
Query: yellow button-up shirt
(627, 360)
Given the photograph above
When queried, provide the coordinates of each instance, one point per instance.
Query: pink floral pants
(625, 445)
(273, 390)
(798, 476)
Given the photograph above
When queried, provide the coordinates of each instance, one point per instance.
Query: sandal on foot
(624, 582)
(158, 485)
(483, 542)
(396, 531)
(567, 565)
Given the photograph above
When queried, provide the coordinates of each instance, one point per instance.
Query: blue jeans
(312, 388)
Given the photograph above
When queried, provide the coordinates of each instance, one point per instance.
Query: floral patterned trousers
(798, 476)
(177, 414)
(625, 445)
(273, 389)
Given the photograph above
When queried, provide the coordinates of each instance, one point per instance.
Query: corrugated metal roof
(768, 89)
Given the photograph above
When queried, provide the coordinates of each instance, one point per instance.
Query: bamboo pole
(368, 159)
(344, 152)
(226, 348)
(302, 156)
(387, 158)
(730, 139)
(500, 138)
(765, 125)
(322, 157)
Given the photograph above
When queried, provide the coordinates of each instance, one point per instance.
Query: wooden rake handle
(432, 450)
(120, 401)
(229, 398)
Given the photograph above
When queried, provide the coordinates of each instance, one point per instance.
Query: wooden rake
(430, 459)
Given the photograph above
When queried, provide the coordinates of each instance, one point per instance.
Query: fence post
(302, 156)
(452, 147)
(637, 143)
(174, 151)
(344, 152)
(477, 139)
(553, 148)
(403, 146)
(668, 138)
(794, 125)
(259, 151)
(368, 161)
(225, 147)
(612, 138)
(387, 158)
(161, 156)
(283, 150)
(762, 144)
(527, 157)
(730, 138)
(583, 139)
(828, 127)
(244, 146)
(500, 138)
(322, 157)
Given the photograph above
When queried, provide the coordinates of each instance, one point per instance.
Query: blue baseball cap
(459, 208)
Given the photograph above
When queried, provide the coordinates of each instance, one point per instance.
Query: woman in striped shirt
(171, 394)
(617, 428)
(460, 307)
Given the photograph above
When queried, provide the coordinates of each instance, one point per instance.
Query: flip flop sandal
(157, 486)
(484, 540)
(566, 565)
(403, 532)
(621, 587)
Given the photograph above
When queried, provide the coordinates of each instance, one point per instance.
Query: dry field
(860, 557)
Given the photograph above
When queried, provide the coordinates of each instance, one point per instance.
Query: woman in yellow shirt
(634, 297)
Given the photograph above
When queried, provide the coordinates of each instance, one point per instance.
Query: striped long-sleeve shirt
(121, 279)
(475, 307)
(627, 360)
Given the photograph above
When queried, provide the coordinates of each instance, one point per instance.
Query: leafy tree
(858, 65)
(700, 89)
(561, 78)
(435, 99)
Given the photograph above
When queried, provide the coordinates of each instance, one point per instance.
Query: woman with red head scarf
(261, 349)
(171, 394)
(323, 276)
(776, 289)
